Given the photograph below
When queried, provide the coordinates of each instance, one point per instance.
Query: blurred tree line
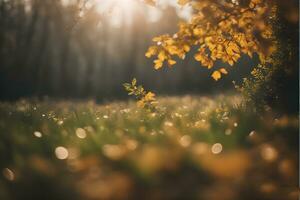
(46, 49)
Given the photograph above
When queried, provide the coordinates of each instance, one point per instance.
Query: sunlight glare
(125, 11)
(119, 10)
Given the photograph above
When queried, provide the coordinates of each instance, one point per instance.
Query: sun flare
(104, 5)
(125, 11)
(119, 10)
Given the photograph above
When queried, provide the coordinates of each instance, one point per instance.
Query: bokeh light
(37, 134)
(61, 152)
(216, 148)
(80, 133)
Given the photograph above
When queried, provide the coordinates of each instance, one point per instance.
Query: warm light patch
(185, 141)
(61, 153)
(37, 134)
(269, 153)
(217, 148)
(8, 174)
(81, 133)
(119, 10)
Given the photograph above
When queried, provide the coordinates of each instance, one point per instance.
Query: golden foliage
(144, 99)
(216, 75)
(223, 30)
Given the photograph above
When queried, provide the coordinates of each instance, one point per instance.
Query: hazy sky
(118, 9)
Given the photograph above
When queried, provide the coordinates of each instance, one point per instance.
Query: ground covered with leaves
(191, 147)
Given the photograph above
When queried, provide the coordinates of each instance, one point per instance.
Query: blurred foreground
(192, 148)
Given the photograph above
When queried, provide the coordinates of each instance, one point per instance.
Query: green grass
(191, 148)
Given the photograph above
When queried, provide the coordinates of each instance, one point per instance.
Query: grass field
(191, 148)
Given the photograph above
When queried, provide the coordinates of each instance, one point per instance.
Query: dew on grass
(177, 115)
(251, 134)
(168, 123)
(37, 134)
(80, 133)
(61, 152)
(153, 114)
(201, 125)
(105, 116)
(126, 110)
(217, 148)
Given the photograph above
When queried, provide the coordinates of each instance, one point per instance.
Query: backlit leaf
(216, 75)
(223, 71)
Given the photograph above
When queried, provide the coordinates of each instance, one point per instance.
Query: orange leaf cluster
(222, 30)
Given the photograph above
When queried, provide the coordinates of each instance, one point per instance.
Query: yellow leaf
(169, 41)
(162, 55)
(171, 62)
(210, 64)
(230, 62)
(156, 39)
(158, 64)
(234, 47)
(172, 50)
(216, 75)
(243, 42)
(150, 96)
(186, 48)
(148, 55)
(198, 57)
(198, 31)
(223, 71)
(250, 54)
(133, 82)
(151, 51)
